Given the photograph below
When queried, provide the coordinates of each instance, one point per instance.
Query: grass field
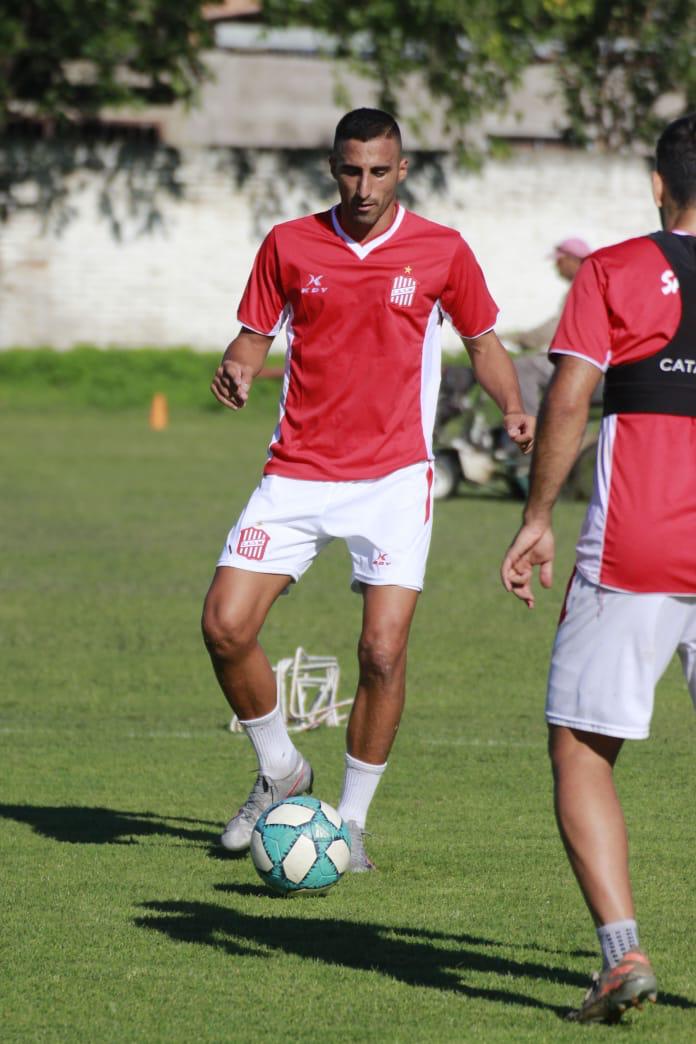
(122, 921)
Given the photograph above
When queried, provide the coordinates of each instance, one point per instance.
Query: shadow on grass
(223, 855)
(416, 957)
(80, 825)
(263, 892)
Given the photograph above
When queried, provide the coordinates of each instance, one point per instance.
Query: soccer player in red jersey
(631, 602)
(362, 290)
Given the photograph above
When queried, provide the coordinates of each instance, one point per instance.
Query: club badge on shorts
(252, 543)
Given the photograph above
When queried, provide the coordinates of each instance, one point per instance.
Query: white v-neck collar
(362, 250)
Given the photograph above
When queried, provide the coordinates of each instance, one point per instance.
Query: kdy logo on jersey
(402, 290)
(314, 285)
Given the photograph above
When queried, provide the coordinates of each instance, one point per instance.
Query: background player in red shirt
(631, 603)
(363, 290)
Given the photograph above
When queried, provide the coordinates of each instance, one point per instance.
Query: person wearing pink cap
(534, 371)
(567, 256)
(572, 247)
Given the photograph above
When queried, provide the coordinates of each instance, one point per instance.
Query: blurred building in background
(165, 208)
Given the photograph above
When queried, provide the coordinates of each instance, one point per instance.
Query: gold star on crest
(407, 270)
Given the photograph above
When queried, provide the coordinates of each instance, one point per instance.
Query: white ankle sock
(616, 939)
(276, 752)
(359, 785)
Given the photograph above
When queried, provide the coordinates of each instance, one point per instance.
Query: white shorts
(385, 522)
(611, 648)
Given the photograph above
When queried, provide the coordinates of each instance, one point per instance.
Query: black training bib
(666, 381)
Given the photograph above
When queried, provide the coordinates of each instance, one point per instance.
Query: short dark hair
(366, 124)
(676, 159)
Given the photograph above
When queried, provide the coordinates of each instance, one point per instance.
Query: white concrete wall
(179, 283)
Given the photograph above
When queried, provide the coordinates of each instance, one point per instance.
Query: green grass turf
(121, 919)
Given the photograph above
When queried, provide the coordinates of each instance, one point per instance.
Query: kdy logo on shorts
(252, 543)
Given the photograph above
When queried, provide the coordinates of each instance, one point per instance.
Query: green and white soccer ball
(300, 844)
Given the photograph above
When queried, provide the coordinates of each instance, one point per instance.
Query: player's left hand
(231, 383)
(533, 546)
(520, 427)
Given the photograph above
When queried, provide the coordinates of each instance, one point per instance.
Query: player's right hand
(231, 383)
(520, 427)
(533, 546)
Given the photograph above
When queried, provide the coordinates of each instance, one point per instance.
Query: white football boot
(236, 836)
(360, 862)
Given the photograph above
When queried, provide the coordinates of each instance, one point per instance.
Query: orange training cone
(159, 412)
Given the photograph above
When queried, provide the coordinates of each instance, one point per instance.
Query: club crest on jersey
(252, 543)
(314, 285)
(402, 290)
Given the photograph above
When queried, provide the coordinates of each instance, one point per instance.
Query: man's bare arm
(562, 422)
(243, 359)
(495, 372)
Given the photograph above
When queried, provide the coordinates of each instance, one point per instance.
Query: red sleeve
(262, 307)
(584, 328)
(465, 300)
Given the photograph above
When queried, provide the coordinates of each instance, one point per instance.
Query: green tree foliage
(613, 58)
(465, 54)
(617, 58)
(62, 58)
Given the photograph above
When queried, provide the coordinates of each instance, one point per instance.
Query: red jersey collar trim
(361, 250)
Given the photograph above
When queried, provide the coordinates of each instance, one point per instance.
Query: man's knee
(227, 632)
(572, 749)
(380, 656)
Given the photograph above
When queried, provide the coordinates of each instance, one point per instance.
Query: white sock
(359, 785)
(276, 752)
(616, 939)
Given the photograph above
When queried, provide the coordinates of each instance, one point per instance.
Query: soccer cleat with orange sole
(612, 992)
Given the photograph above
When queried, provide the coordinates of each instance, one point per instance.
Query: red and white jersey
(638, 534)
(363, 322)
